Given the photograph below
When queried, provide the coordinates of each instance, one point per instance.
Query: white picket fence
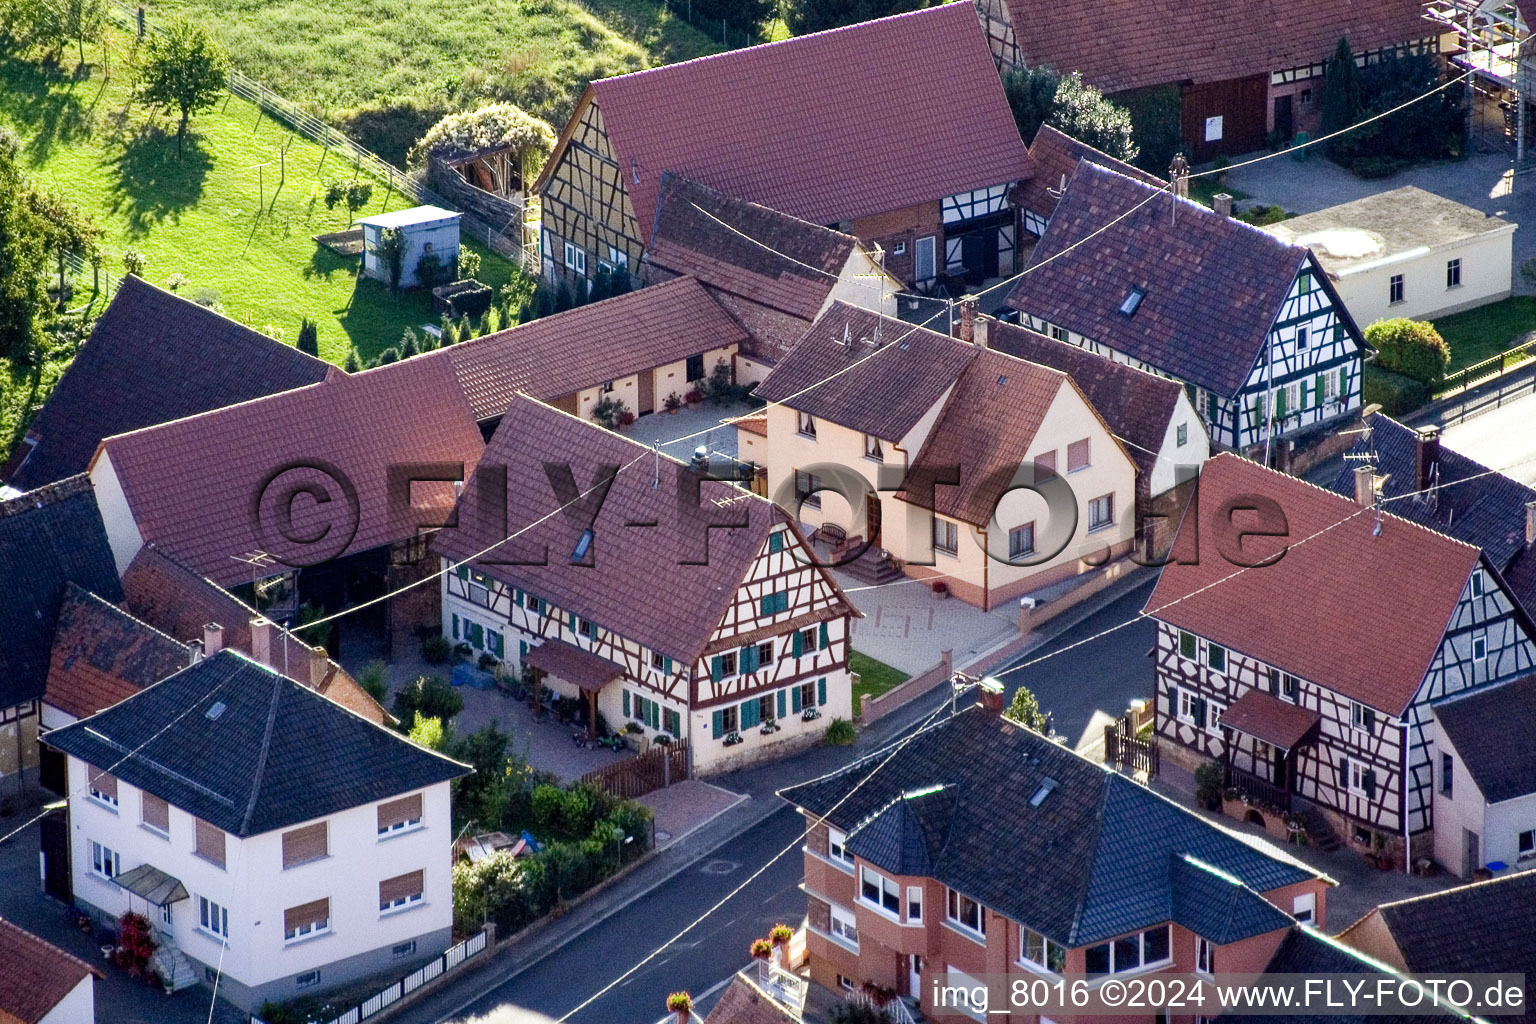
(391, 994)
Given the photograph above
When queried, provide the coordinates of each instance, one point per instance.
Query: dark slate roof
(1218, 906)
(1104, 841)
(152, 358)
(101, 655)
(48, 538)
(278, 753)
(1472, 503)
(1308, 952)
(1213, 285)
(1494, 732)
(867, 372)
(908, 834)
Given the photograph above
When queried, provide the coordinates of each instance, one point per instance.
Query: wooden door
(53, 842)
(1224, 118)
(1471, 855)
(872, 519)
(647, 389)
(1285, 118)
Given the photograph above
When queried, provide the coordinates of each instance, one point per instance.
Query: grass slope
(875, 677)
(1484, 332)
(211, 215)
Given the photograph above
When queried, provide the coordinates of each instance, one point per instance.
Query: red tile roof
(35, 975)
(1055, 156)
(1362, 615)
(1268, 718)
(102, 655)
(565, 661)
(209, 489)
(1128, 44)
(742, 1002)
(584, 347)
(828, 127)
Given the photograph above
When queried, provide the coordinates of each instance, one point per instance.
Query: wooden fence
(391, 994)
(660, 766)
(1123, 749)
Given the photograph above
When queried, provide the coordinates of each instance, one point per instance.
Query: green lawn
(875, 677)
(385, 70)
(211, 216)
(1484, 332)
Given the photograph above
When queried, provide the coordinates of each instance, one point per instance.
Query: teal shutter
(1200, 712)
(718, 719)
(497, 647)
(626, 705)
(765, 605)
(794, 699)
(748, 713)
(522, 648)
(748, 659)
(455, 627)
(1317, 390)
(517, 597)
(776, 542)
(781, 703)
(821, 691)
(796, 644)
(666, 665)
(716, 669)
(825, 643)
(572, 616)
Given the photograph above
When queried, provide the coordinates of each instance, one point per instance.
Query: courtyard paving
(906, 626)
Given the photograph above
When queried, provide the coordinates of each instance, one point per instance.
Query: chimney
(990, 692)
(319, 667)
(1365, 486)
(261, 639)
(1530, 524)
(966, 329)
(1221, 202)
(1426, 455)
(213, 639)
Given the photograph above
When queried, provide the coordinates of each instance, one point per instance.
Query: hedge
(1396, 394)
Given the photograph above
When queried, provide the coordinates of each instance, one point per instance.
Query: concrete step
(175, 970)
(869, 569)
(1319, 833)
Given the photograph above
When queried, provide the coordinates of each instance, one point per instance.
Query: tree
(804, 16)
(357, 196)
(469, 263)
(83, 21)
(374, 678)
(1082, 112)
(67, 230)
(1341, 101)
(1025, 710)
(1410, 347)
(184, 67)
(431, 697)
(1031, 96)
(353, 364)
(23, 250)
(308, 341)
(428, 732)
(410, 345)
(390, 251)
(742, 14)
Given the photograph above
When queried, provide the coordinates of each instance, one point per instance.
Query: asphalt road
(695, 963)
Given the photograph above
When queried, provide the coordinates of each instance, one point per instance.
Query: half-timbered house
(1302, 638)
(1054, 156)
(849, 127)
(685, 605)
(1249, 322)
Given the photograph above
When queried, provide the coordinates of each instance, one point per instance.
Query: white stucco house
(42, 984)
(1408, 253)
(276, 841)
(1485, 780)
(426, 229)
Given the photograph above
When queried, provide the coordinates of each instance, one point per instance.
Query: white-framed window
(399, 815)
(845, 983)
(808, 489)
(1216, 657)
(1360, 779)
(879, 892)
(1129, 952)
(1453, 273)
(922, 258)
(1301, 336)
(103, 786)
(1189, 645)
(899, 249)
(1525, 844)
(165, 914)
(212, 918)
(873, 448)
(104, 861)
(1205, 956)
(1477, 583)
(1021, 541)
(1480, 647)
(1213, 718)
(1331, 386)
(1304, 907)
(1038, 951)
(946, 536)
(1101, 512)
(844, 926)
(1187, 706)
(963, 912)
(806, 424)
(307, 920)
(618, 257)
(401, 891)
(1361, 717)
(837, 846)
(575, 258)
(1059, 333)
(914, 903)
(1395, 289)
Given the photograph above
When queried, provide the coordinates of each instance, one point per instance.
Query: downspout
(1407, 845)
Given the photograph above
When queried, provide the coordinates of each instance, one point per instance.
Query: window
(922, 259)
(1360, 780)
(1216, 657)
(966, 912)
(726, 721)
(1021, 541)
(209, 842)
(672, 721)
(1205, 956)
(1289, 685)
(658, 661)
(845, 983)
(575, 258)
(844, 926)
(307, 919)
(1301, 337)
(1129, 952)
(404, 949)
(807, 424)
(302, 845)
(1453, 273)
(879, 891)
(1045, 464)
(103, 786)
(587, 628)
(805, 696)
(872, 448)
(165, 914)
(1058, 333)
(1447, 774)
(400, 815)
(836, 846)
(808, 489)
(899, 249)
(765, 708)
(805, 641)
(1189, 647)
(694, 368)
(1525, 845)
(728, 663)
(1181, 435)
(1101, 512)
(1480, 647)
(1395, 289)
(307, 980)
(104, 861)
(1213, 718)
(1040, 951)
(1077, 455)
(212, 918)
(1187, 708)
(1477, 583)
(946, 536)
(1362, 717)
(914, 903)
(1132, 301)
(401, 891)
(773, 604)
(1304, 907)
(618, 257)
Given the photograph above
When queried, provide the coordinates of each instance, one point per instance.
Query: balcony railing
(1261, 791)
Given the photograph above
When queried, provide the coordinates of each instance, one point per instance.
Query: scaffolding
(1492, 38)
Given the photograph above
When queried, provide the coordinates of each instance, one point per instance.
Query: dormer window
(807, 424)
(1132, 301)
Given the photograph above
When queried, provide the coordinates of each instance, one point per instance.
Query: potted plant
(780, 935)
(1209, 785)
(693, 397)
(672, 403)
(941, 589)
(761, 949)
(681, 1003)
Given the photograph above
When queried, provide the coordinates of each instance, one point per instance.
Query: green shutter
(517, 598)
(1200, 712)
(781, 703)
(666, 665)
(498, 646)
(794, 699)
(463, 572)
(765, 605)
(716, 670)
(455, 627)
(522, 648)
(718, 719)
(821, 691)
(748, 713)
(1369, 779)
(776, 542)
(748, 660)
(626, 705)
(823, 634)
(795, 644)
(572, 616)
(1280, 403)
(1317, 390)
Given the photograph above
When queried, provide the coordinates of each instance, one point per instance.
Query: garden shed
(426, 229)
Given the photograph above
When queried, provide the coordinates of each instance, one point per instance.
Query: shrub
(1025, 709)
(1410, 347)
(1209, 782)
(134, 263)
(718, 386)
(857, 1013)
(428, 732)
(435, 650)
(374, 678)
(841, 733)
(429, 270)
(309, 337)
(469, 263)
(431, 696)
(608, 413)
(499, 124)
(677, 1002)
(486, 662)
(409, 345)
(547, 801)
(389, 355)
(354, 363)
(1396, 394)
(390, 250)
